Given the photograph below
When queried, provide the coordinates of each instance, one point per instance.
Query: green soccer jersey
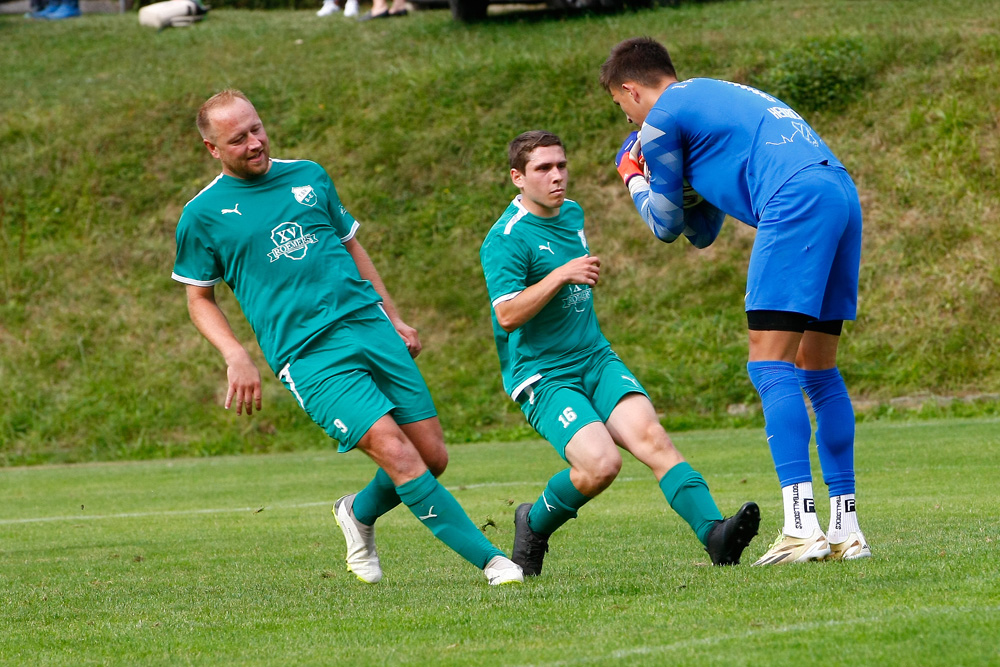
(278, 242)
(521, 249)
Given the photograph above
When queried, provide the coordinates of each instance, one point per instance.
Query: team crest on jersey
(305, 195)
(289, 241)
(577, 298)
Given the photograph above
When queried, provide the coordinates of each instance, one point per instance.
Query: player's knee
(601, 470)
(655, 446)
(395, 454)
(655, 437)
(428, 438)
(437, 460)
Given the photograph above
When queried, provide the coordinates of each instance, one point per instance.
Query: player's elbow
(197, 302)
(700, 242)
(664, 228)
(508, 324)
(664, 234)
(506, 318)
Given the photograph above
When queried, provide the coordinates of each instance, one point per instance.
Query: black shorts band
(832, 327)
(776, 320)
(781, 320)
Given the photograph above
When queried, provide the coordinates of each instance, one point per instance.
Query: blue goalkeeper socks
(558, 504)
(438, 510)
(834, 427)
(786, 419)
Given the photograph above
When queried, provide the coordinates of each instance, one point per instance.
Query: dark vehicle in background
(475, 10)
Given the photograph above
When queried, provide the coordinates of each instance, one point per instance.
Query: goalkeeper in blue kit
(561, 370)
(706, 149)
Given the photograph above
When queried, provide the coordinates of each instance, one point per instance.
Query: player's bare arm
(366, 267)
(513, 314)
(242, 373)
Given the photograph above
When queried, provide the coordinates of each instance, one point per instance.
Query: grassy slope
(172, 563)
(98, 360)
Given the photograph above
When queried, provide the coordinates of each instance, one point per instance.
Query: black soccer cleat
(729, 537)
(529, 547)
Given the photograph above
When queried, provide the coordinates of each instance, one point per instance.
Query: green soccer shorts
(566, 400)
(353, 373)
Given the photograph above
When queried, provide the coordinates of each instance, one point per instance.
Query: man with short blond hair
(220, 99)
(277, 233)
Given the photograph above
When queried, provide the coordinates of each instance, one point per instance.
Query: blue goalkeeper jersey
(278, 242)
(734, 144)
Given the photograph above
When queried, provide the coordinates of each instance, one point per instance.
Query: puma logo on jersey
(547, 246)
(235, 209)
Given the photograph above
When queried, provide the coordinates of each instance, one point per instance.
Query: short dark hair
(220, 99)
(640, 59)
(519, 151)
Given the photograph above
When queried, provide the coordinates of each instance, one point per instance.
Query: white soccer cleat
(853, 548)
(787, 549)
(502, 570)
(329, 7)
(351, 8)
(362, 558)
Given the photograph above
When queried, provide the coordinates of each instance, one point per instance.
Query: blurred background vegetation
(98, 154)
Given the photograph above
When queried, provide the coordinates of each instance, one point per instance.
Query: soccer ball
(691, 196)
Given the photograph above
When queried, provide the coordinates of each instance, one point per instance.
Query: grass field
(236, 560)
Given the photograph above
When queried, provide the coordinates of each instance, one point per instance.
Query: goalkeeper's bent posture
(276, 232)
(571, 386)
(713, 148)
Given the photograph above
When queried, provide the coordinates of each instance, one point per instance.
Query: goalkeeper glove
(629, 158)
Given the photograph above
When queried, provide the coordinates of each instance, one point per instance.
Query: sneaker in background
(329, 7)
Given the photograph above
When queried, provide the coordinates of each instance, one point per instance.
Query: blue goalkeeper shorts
(807, 253)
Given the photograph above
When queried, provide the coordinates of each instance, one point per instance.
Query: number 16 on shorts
(567, 417)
